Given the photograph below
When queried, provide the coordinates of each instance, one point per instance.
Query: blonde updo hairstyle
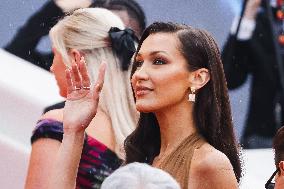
(87, 31)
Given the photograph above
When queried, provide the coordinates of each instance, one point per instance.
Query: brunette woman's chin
(145, 107)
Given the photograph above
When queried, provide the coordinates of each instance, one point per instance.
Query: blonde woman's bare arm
(42, 156)
(80, 108)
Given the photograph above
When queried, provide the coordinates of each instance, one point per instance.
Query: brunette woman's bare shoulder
(56, 114)
(208, 155)
(210, 168)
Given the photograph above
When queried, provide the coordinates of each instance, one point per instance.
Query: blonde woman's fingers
(85, 76)
(77, 78)
(69, 81)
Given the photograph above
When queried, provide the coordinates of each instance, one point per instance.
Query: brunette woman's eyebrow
(153, 53)
(158, 52)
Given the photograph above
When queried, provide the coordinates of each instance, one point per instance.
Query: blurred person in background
(83, 40)
(27, 38)
(255, 47)
(130, 12)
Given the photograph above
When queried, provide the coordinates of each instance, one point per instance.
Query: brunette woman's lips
(141, 90)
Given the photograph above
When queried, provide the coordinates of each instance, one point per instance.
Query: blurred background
(19, 111)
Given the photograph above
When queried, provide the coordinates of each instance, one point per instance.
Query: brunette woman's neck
(176, 123)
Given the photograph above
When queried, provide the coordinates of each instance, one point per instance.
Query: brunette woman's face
(162, 76)
(58, 69)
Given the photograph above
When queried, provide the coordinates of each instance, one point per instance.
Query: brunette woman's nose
(140, 74)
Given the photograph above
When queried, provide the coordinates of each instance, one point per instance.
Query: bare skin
(84, 99)
(211, 169)
(279, 179)
(251, 9)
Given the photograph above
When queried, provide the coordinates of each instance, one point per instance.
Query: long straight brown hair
(212, 113)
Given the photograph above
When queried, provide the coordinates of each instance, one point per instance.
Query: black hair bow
(123, 44)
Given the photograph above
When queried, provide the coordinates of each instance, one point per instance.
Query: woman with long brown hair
(185, 125)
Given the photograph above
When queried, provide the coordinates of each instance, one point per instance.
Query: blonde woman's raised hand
(82, 99)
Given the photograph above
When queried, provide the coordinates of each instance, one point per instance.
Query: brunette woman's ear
(75, 55)
(199, 78)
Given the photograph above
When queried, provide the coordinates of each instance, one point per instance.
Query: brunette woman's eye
(159, 62)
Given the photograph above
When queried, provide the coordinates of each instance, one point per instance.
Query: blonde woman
(88, 36)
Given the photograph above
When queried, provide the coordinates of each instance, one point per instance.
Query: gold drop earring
(191, 96)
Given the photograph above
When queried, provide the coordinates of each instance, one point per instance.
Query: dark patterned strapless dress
(97, 161)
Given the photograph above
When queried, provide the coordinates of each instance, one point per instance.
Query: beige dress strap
(177, 163)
